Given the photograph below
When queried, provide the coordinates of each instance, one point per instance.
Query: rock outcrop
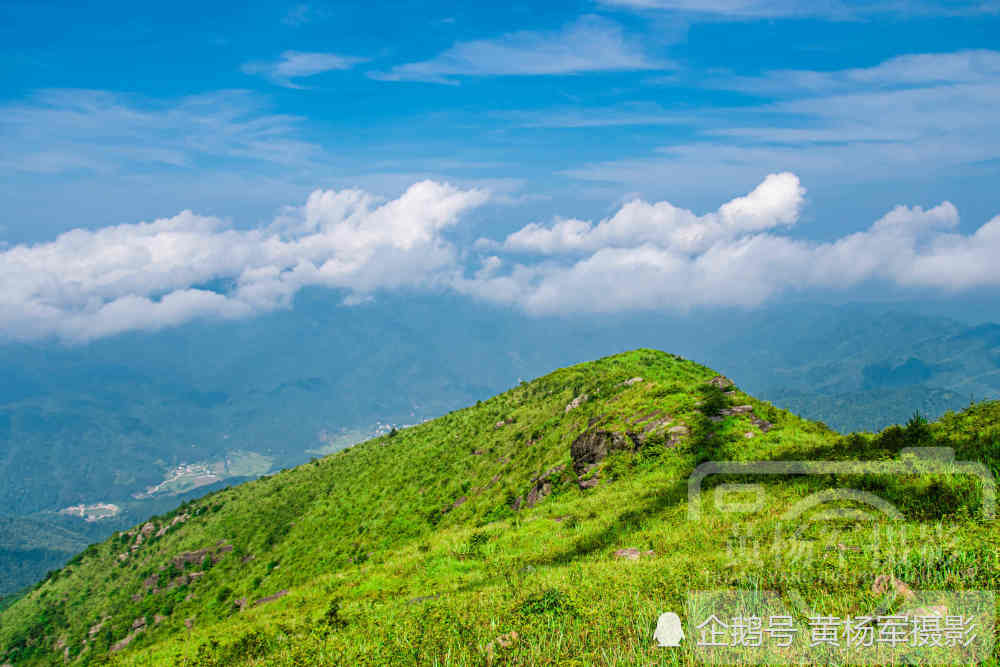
(542, 486)
(885, 582)
(594, 446)
(631, 553)
(721, 381)
(654, 427)
(192, 557)
(180, 518)
(740, 410)
(270, 598)
(119, 645)
(95, 628)
(501, 642)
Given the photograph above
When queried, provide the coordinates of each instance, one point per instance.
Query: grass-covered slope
(490, 534)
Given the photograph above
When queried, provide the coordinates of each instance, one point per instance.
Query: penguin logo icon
(668, 630)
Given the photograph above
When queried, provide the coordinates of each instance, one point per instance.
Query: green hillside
(110, 421)
(547, 525)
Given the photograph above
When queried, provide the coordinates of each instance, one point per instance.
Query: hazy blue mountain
(140, 420)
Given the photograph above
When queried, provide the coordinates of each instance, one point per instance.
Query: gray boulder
(594, 446)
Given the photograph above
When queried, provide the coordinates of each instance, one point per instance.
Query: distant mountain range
(145, 420)
(551, 524)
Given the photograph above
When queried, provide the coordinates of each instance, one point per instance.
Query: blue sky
(533, 113)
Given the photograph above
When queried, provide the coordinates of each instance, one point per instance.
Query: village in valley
(91, 513)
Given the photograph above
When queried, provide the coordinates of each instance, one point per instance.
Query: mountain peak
(499, 502)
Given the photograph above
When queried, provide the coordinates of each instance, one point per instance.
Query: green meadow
(549, 525)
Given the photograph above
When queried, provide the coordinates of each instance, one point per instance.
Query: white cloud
(774, 202)
(836, 9)
(590, 44)
(660, 257)
(646, 256)
(731, 8)
(88, 284)
(905, 71)
(908, 116)
(70, 130)
(297, 65)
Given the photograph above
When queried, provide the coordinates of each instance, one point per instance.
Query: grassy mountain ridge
(102, 422)
(493, 533)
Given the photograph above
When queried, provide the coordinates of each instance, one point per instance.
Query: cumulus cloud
(297, 64)
(647, 256)
(660, 257)
(590, 44)
(774, 202)
(146, 276)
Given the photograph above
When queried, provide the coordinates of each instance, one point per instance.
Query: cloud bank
(146, 276)
(660, 257)
(647, 256)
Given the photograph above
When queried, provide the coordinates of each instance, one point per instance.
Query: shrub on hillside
(552, 601)
(713, 400)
